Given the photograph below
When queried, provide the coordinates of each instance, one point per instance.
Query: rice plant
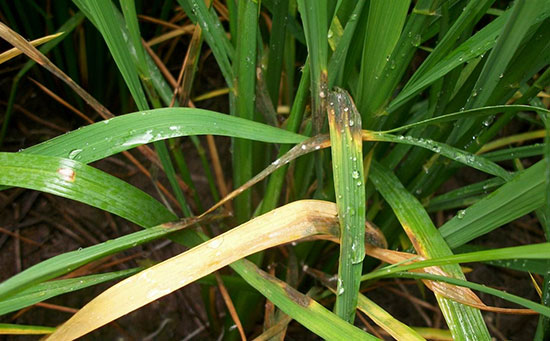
(319, 166)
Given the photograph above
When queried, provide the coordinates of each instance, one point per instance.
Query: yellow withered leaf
(291, 222)
(14, 52)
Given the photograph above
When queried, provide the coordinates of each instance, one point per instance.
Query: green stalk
(464, 322)
(276, 49)
(315, 18)
(244, 68)
(130, 17)
(384, 26)
(347, 156)
(275, 183)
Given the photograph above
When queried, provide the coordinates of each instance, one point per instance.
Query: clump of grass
(405, 94)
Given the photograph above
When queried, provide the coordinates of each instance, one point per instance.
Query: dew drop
(355, 174)
(488, 121)
(416, 40)
(340, 289)
(460, 214)
(74, 153)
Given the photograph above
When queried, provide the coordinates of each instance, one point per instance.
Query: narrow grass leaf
(14, 52)
(457, 197)
(463, 321)
(156, 77)
(243, 105)
(518, 138)
(275, 183)
(69, 261)
(471, 113)
(468, 159)
(543, 328)
(105, 18)
(475, 46)
(303, 309)
(74, 180)
(20, 329)
(515, 153)
(533, 251)
(386, 321)
(347, 165)
(382, 318)
(213, 34)
(22, 44)
(102, 139)
(539, 308)
(337, 60)
(524, 16)
(106, 22)
(315, 143)
(434, 333)
(64, 29)
(315, 20)
(291, 222)
(46, 290)
(384, 25)
(280, 20)
(469, 15)
(398, 61)
(522, 194)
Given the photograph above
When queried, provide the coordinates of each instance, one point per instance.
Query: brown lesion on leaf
(67, 174)
(319, 102)
(343, 113)
(374, 236)
(414, 241)
(296, 296)
(368, 135)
